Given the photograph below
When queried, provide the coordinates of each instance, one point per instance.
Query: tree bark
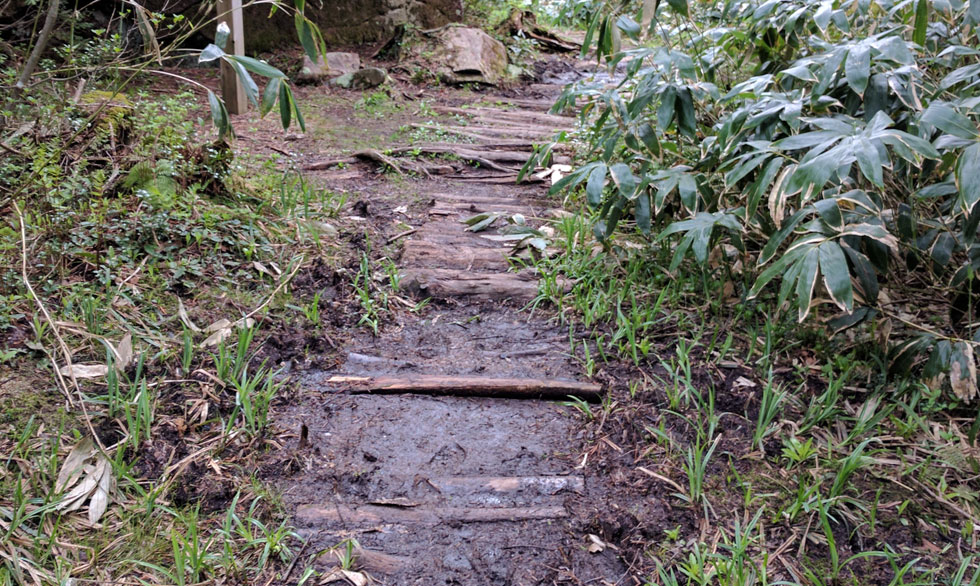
(42, 43)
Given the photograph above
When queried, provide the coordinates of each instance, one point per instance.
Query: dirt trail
(451, 489)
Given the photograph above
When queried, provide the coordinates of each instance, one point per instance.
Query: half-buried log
(471, 386)
(353, 516)
(422, 253)
(453, 284)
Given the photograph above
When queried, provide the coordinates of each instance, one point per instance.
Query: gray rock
(343, 81)
(368, 77)
(332, 65)
(361, 79)
(470, 55)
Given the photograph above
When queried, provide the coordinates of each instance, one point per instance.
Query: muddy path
(443, 445)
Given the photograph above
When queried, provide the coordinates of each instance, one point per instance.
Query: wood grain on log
(348, 515)
(471, 386)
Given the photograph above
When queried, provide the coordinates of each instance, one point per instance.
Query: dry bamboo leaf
(224, 332)
(84, 370)
(71, 470)
(78, 495)
(777, 199)
(964, 384)
(184, 318)
(123, 352)
(100, 496)
(348, 576)
(221, 324)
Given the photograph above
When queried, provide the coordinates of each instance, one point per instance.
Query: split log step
(423, 253)
(478, 200)
(536, 485)
(360, 515)
(451, 284)
(471, 386)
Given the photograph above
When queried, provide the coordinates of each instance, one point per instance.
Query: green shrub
(831, 148)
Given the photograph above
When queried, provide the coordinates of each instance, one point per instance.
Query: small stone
(455, 560)
(368, 77)
(333, 64)
(343, 81)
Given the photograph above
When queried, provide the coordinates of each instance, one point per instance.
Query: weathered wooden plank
(535, 485)
(423, 253)
(471, 386)
(451, 283)
(354, 515)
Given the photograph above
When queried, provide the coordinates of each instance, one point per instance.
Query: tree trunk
(42, 43)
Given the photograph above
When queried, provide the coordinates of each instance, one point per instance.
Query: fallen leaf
(222, 334)
(71, 470)
(124, 352)
(84, 370)
(184, 318)
(596, 545)
(742, 382)
(100, 496)
(351, 577)
(963, 374)
(219, 325)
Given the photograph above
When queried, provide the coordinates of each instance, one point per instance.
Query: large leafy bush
(831, 148)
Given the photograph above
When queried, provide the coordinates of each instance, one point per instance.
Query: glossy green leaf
(867, 278)
(219, 115)
(869, 161)
(251, 88)
(836, 276)
(642, 212)
(305, 30)
(679, 6)
(944, 117)
(968, 176)
(258, 67)
(210, 53)
(593, 189)
(270, 95)
(625, 180)
(830, 213)
(285, 106)
(857, 67)
(648, 136)
(973, 13)
(921, 22)
(628, 26)
(876, 96)
(296, 111)
(806, 282)
(686, 120)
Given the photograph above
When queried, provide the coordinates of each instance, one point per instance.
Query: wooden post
(230, 12)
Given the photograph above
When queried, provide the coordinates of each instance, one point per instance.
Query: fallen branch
(523, 22)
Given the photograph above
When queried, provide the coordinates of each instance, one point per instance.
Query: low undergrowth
(787, 457)
(151, 279)
(824, 431)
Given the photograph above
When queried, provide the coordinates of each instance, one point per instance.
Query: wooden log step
(538, 117)
(467, 209)
(451, 283)
(451, 233)
(470, 386)
(528, 485)
(360, 515)
(423, 253)
(490, 199)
